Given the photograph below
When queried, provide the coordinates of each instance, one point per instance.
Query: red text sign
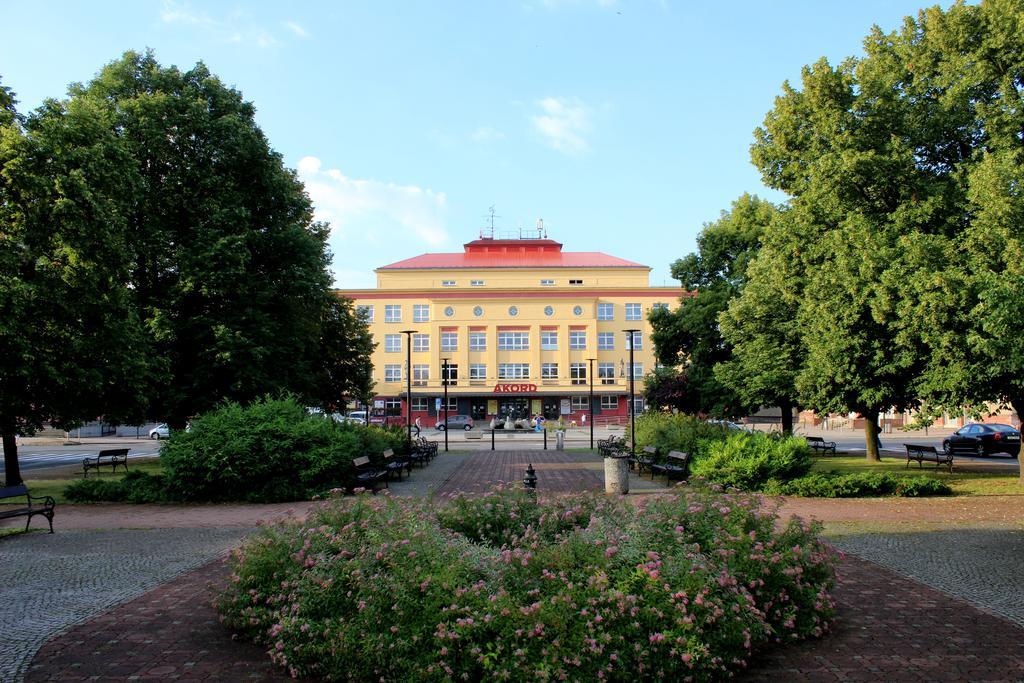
(514, 388)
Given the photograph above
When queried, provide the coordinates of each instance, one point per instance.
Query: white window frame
(393, 406)
(421, 342)
(478, 371)
(577, 373)
(476, 283)
(420, 374)
(547, 283)
(477, 341)
(513, 371)
(605, 341)
(513, 340)
(548, 345)
(393, 372)
(549, 370)
(421, 313)
(580, 402)
(448, 283)
(606, 373)
(638, 370)
(392, 343)
(366, 310)
(453, 405)
(449, 341)
(577, 340)
(452, 376)
(392, 313)
(606, 311)
(609, 403)
(420, 404)
(634, 312)
(574, 282)
(635, 341)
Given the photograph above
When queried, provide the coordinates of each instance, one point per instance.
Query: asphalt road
(41, 457)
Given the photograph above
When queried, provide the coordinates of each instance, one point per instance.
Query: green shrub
(859, 484)
(748, 461)
(270, 451)
(134, 487)
(502, 587)
(676, 432)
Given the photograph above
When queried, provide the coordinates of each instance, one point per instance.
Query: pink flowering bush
(582, 587)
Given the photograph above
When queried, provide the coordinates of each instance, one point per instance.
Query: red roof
(491, 253)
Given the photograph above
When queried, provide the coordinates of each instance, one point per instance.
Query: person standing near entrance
(416, 426)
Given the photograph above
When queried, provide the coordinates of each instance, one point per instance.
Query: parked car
(359, 415)
(455, 422)
(983, 439)
(730, 426)
(351, 419)
(161, 431)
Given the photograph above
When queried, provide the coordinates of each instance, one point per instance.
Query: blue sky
(624, 125)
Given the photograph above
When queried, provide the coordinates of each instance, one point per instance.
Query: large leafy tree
(228, 267)
(761, 325)
(898, 165)
(689, 336)
(71, 346)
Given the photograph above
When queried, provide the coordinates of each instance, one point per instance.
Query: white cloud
(564, 124)
(238, 27)
(486, 134)
(369, 216)
(297, 28)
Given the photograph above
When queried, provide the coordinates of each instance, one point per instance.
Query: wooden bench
(396, 463)
(675, 466)
(111, 456)
(819, 444)
(921, 453)
(30, 510)
(366, 475)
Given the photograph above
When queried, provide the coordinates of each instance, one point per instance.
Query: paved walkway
(48, 584)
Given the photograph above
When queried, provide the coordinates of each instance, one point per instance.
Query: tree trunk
(787, 417)
(871, 434)
(1018, 406)
(12, 472)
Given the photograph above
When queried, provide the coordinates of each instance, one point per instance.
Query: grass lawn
(57, 479)
(980, 482)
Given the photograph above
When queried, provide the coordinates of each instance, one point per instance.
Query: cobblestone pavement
(890, 628)
(981, 566)
(557, 472)
(49, 582)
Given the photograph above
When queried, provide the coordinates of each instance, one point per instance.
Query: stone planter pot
(616, 475)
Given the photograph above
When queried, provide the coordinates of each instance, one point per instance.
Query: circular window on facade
(513, 311)
(549, 311)
(578, 310)
(478, 311)
(449, 311)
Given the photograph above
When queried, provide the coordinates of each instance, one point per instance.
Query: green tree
(761, 326)
(689, 336)
(71, 347)
(228, 267)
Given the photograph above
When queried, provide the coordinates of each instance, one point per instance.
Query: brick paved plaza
(124, 600)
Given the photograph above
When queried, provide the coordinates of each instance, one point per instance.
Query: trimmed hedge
(134, 487)
(859, 484)
(676, 432)
(505, 587)
(273, 450)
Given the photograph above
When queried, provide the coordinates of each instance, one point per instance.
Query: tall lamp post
(631, 337)
(408, 386)
(444, 383)
(591, 369)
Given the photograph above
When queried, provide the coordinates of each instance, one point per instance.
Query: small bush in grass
(748, 461)
(859, 484)
(503, 587)
(134, 487)
(676, 432)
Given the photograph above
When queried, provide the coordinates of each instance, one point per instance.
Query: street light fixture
(631, 335)
(591, 362)
(408, 386)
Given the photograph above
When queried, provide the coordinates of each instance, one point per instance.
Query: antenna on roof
(542, 232)
(488, 232)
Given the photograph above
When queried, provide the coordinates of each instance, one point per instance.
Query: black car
(983, 439)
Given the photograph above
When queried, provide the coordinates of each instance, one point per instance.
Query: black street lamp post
(591, 369)
(408, 386)
(631, 334)
(444, 382)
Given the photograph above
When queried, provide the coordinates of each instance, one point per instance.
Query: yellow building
(522, 325)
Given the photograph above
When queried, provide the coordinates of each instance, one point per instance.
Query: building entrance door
(551, 409)
(478, 409)
(516, 408)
